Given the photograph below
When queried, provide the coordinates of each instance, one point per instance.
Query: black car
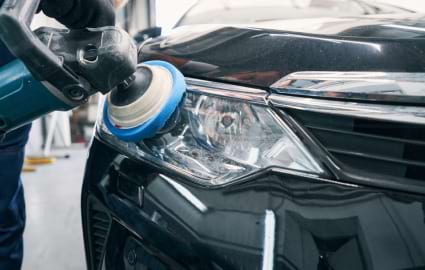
(293, 149)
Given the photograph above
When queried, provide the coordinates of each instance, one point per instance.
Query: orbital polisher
(59, 69)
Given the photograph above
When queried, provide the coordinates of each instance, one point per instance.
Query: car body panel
(260, 57)
(308, 223)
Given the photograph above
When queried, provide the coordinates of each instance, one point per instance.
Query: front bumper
(138, 216)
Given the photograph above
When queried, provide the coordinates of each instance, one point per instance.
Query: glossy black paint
(260, 57)
(319, 224)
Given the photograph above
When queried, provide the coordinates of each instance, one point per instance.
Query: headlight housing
(220, 135)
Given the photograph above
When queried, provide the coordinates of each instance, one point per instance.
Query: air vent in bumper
(99, 226)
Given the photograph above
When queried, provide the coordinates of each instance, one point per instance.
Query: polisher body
(56, 69)
(59, 69)
(22, 98)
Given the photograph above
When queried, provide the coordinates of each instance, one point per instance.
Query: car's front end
(290, 150)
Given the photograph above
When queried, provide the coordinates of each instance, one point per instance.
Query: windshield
(251, 11)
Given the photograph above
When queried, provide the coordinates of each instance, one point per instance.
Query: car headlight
(220, 135)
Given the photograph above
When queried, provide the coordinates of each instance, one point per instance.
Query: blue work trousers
(12, 204)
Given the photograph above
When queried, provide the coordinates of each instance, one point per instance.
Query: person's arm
(76, 14)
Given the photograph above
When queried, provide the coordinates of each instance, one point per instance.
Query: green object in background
(22, 98)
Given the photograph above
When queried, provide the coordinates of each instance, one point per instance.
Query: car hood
(263, 53)
(405, 25)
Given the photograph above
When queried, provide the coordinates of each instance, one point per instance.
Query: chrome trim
(403, 114)
(269, 240)
(312, 176)
(359, 86)
(251, 95)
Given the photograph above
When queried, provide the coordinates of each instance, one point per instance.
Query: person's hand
(77, 14)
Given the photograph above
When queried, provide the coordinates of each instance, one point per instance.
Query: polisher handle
(15, 32)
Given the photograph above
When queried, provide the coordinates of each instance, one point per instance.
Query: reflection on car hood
(263, 53)
(377, 26)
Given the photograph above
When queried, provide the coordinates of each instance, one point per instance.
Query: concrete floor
(53, 236)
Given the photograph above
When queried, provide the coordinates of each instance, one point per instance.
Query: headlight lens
(216, 140)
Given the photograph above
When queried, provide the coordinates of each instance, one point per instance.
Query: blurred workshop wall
(137, 15)
(416, 5)
(168, 12)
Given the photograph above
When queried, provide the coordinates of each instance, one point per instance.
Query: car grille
(100, 224)
(369, 147)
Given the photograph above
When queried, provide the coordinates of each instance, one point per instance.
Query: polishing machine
(59, 69)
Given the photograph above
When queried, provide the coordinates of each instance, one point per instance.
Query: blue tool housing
(22, 98)
(149, 128)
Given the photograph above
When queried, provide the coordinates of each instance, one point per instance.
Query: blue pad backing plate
(149, 128)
